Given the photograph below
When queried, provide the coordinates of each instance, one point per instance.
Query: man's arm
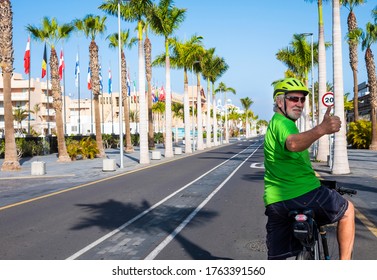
(302, 141)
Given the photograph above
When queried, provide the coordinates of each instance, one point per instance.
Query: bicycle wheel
(332, 243)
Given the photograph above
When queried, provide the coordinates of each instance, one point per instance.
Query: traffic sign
(328, 99)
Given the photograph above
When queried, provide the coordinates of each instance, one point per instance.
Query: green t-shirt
(287, 174)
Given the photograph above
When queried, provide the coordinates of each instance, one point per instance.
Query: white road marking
(110, 234)
(257, 165)
(168, 239)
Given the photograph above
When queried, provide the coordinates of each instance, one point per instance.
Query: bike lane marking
(118, 243)
(168, 239)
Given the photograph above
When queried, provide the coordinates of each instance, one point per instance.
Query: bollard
(38, 168)
(156, 155)
(177, 150)
(108, 165)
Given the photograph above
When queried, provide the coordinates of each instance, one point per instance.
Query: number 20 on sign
(328, 99)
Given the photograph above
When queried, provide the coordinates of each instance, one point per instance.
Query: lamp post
(312, 83)
(193, 106)
(120, 91)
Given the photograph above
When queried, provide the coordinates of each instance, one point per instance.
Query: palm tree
(182, 57)
(177, 110)
(297, 57)
(207, 69)
(164, 19)
(213, 67)
(222, 88)
(159, 109)
(340, 162)
(51, 33)
(19, 115)
(148, 72)
(91, 26)
(136, 10)
(246, 103)
(353, 44)
(128, 42)
(368, 39)
(11, 162)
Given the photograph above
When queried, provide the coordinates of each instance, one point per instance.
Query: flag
(27, 57)
(89, 79)
(61, 65)
(100, 79)
(161, 96)
(110, 82)
(77, 70)
(44, 63)
(128, 85)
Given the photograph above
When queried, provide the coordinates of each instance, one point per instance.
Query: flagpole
(111, 103)
(78, 91)
(28, 126)
(48, 100)
(120, 91)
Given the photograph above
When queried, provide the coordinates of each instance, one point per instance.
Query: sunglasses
(295, 99)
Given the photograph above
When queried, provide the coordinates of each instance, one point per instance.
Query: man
(290, 181)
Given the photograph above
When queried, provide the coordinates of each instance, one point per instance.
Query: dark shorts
(328, 206)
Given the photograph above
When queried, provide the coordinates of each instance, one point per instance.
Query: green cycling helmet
(287, 85)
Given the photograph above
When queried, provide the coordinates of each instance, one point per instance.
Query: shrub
(359, 134)
(73, 148)
(89, 148)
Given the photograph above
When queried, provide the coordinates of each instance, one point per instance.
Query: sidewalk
(21, 185)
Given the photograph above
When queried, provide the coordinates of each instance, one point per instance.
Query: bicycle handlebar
(331, 184)
(342, 191)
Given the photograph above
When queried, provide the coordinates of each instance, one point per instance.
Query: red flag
(27, 57)
(44, 63)
(61, 65)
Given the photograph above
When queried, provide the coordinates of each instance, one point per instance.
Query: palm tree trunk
(6, 53)
(126, 110)
(340, 163)
(208, 122)
(215, 140)
(10, 158)
(199, 114)
(372, 82)
(168, 118)
(323, 142)
(144, 151)
(148, 69)
(57, 104)
(186, 106)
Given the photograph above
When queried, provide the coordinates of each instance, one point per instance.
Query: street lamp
(120, 91)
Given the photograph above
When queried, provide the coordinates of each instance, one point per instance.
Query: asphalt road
(206, 206)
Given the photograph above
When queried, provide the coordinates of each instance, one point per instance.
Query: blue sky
(246, 33)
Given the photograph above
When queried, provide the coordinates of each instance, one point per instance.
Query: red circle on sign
(328, 99)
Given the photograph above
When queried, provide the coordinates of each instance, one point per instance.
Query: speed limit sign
(328, 99)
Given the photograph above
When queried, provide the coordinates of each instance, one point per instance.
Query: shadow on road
(156, 223)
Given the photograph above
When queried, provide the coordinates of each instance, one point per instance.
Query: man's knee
(350, 212)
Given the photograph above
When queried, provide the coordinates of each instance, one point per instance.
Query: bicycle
(306, 230)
